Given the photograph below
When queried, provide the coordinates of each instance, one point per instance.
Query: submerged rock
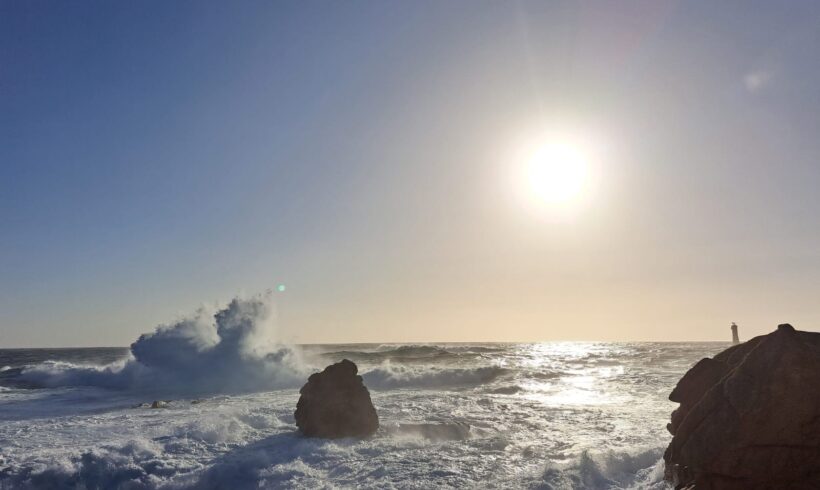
(749, 418)
(335, 403)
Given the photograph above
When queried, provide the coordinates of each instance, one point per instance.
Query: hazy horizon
(74, 347)
(410, 172)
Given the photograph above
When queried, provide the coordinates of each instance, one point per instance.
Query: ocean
(555, 415)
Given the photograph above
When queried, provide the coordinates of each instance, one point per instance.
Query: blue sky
(158, 155)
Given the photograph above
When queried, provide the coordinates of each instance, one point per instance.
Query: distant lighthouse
(735, 339)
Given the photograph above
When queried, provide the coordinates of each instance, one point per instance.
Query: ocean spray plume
(231, 350)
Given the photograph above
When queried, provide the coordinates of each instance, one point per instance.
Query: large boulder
(335, 403)
(749, 418)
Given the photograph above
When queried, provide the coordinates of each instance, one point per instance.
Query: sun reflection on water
(574, 373)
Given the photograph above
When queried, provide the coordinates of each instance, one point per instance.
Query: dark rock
(749, 418)
(160, 404)
(706, 373)
(335, 403)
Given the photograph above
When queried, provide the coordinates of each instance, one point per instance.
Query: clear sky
(158, 155)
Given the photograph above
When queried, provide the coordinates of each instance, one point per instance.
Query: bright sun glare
(556, 172)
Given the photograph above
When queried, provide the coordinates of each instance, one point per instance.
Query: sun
(555, 173)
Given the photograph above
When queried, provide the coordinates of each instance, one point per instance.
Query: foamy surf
(554, 415)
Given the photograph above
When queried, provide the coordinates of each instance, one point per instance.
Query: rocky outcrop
(335, 403)
(749, 418)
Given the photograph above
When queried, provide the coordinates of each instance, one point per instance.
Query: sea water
(548, 415)
(539, 415)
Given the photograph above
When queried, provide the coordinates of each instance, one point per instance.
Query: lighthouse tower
(735, 339)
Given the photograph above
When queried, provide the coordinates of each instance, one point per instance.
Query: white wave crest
(642, 469)
(392, 376)
(231, 350)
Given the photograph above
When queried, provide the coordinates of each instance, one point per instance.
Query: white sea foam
(504, 419)
(230, 350)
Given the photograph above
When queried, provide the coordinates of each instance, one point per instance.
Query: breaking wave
(388, 377)
(414, 353)
(404, 353)
(609, 470)
(230, 350)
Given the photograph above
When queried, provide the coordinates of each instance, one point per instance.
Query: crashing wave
(230, 350)
(609, 470)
